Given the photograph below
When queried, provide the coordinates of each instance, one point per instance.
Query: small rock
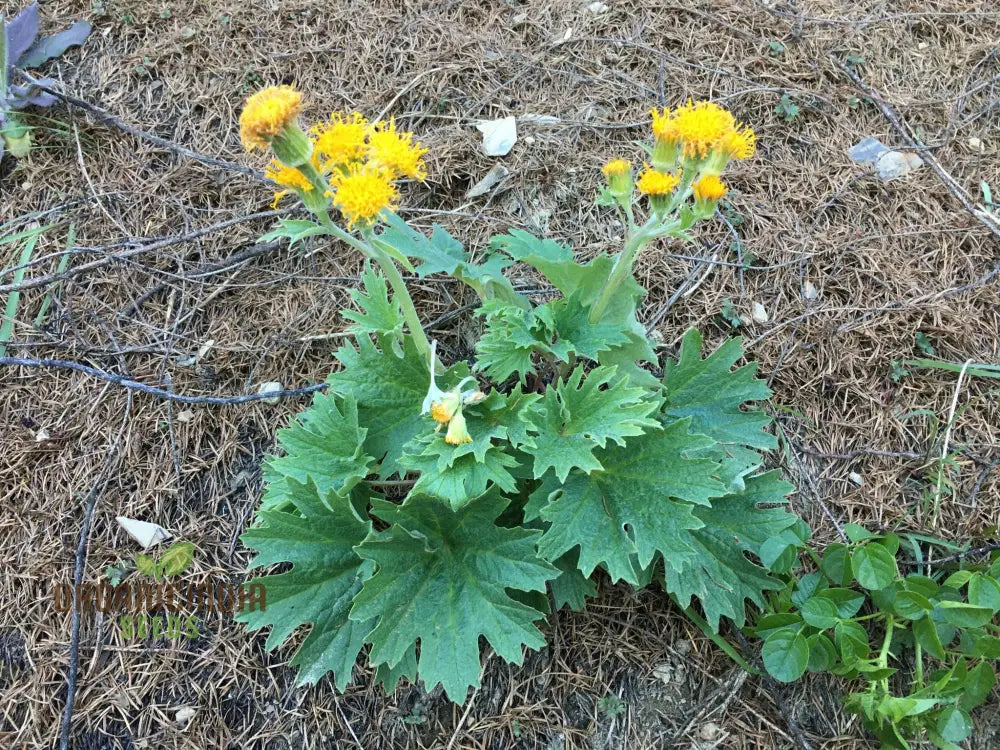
(187, 32)
(270, 387)
(923, 45)
(493, 178)
(185, 416)
(519, 20)
(597, 8)
(759, 314)
(897, 164)
(809, 291)
(42, 435)
(499, 136)
(528, 140)
(856, 478)
(976, 145)
(184, 715)
(709, 731)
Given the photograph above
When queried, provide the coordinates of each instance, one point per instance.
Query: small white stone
(184, 715)
(185, 416)
(759, 314)
(42, 435)
(856, 478)
(975, 144)
(597, 8)
(270, 387)
(923, 45)
(809, 290)
(499, 136)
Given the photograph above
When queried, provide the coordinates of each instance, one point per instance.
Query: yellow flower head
(396, 151)
(616, 168)
(363, 192)
(287, 177)
(266, 114)
(444, 409)
(700, 126)
(457, 432)
(653, 182)
(739, 143)
(664, 126)
(709, 189)
(341, 140)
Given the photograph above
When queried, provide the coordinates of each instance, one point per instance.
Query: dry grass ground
(877, 254)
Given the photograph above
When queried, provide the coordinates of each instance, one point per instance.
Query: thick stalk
(388, 267)
(623, 267)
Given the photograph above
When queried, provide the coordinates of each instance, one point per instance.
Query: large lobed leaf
(326, 574)
(325, 445)
(641, 502)
(711, 393)
(379, 315)
(442, 578)
(576, 416)
(719, 573)
(390, 389)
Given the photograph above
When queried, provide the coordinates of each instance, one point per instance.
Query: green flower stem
(626, 259)
(883, 656)
(392, 275)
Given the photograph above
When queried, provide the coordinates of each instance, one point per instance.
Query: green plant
(787, 108)
(174, 561)
(929, 665)
(611, 706)
(20, 48)
(426, 504)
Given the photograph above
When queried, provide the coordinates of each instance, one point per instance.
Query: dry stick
(125, 254)
(110, 119)
(110, 377)
(947, 439)
(81, 558)
(955, 558)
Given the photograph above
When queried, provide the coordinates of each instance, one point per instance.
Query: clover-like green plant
(427, 505)
(935, 636)
(21, 48)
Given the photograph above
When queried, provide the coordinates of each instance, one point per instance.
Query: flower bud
(618, 173)
(457, 432)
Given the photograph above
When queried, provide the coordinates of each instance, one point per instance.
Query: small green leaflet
(390, 390)
(457, 480)
(442, 253)
(442, 578)
(573, 420)
(295, 230)
(719, 573)
(324, 444)
(711, 393)
(379, 315)
(639, 504)
(326, 574)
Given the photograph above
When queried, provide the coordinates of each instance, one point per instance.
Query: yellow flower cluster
(353, 162)
(692, 145)
(698, 131)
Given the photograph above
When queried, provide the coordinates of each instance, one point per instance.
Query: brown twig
(163, 393)
(125, 254)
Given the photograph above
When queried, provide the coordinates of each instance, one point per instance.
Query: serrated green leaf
(785, 655)
(177, 558)
(326, 574)
(577, 335)
(458, 480)
(295, 230)
(720, 574)
(441, 579)
(571, 586)
(510, 341)
(572, 420)
(324, 444)
(390, 391)
(379, 315)
(638, 504)
(442, 253)
(711, 393)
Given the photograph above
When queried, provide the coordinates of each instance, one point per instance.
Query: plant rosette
(426, 508)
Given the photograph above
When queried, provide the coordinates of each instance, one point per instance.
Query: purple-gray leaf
(21, 96)
(21, 33)
(52, 46)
